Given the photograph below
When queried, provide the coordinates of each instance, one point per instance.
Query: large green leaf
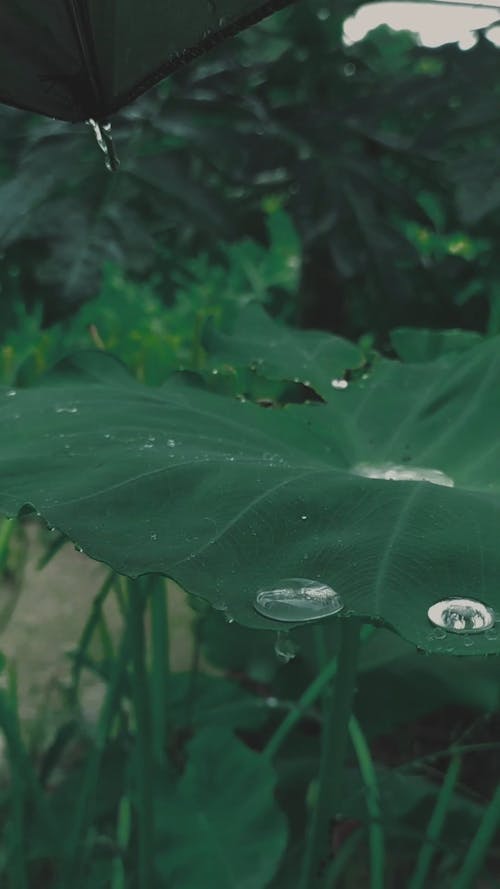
(220, 827)
(228, 498)
(282, 353)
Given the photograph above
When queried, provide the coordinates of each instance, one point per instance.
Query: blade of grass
(307, 699)
(336, 869)
(435, 826)
(375, 830)
(72, 869)
(89, 629)
(138, 591)
(51, 551)
(159, 664)
(17, 826)
(480, 845)
(334, 740)
(123, 830)
(7, 528)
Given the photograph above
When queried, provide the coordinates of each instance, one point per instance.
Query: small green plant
(338, 523)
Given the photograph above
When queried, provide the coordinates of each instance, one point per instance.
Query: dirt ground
(46, 623)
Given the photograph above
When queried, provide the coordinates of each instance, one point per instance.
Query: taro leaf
(414, 344)
(228, 498)
(277, 352)
(209, 700)
(414, 685)
(220, 827)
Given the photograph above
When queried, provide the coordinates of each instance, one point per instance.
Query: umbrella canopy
(84, 59)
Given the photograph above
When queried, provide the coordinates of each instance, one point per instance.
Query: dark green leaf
(220, 827)
(228, 498)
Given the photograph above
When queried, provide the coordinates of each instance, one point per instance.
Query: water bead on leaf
(394, 473)
(461, 616)
(298, 600)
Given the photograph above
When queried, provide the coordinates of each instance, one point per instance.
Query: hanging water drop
(339, 384)
(298, 599)
(104, 139)
(285, 647)
(461, 616)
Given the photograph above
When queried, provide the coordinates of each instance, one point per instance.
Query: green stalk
(334, 740)
(159, 665)
(7, 528)
(336, 869)
(17, 826)
(74, 857)
(143, 750)
(435, 826)
(376, 831)
(307, 699)
(478, 849)
(89, 629)
(123, 829)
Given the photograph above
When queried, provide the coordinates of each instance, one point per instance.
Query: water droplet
(339, 384)
(66, 410)
(394, 473)
(154, 536)
(11, 393)
(171, 443)
(284, 647)
(303, 517)
(461, 616)
(79, 549)
(104, 139)
(297, 599)
(149, 444)
(272, 702)
(228, 618)
(107, 435)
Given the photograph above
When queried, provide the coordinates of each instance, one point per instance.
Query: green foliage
(351, 189)
(132, 321)
(226, 843)
(193, 484)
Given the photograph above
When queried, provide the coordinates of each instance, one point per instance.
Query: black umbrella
(84, 59)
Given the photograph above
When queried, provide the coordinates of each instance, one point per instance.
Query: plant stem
(334, 742)
(143, 751)
(307, 699)
(435, 826)
(341, 860)
(18, 794)
(7, 528)
(376, 831)
(89, 629)
(72, 868)
(478, 849)
(159, 664)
